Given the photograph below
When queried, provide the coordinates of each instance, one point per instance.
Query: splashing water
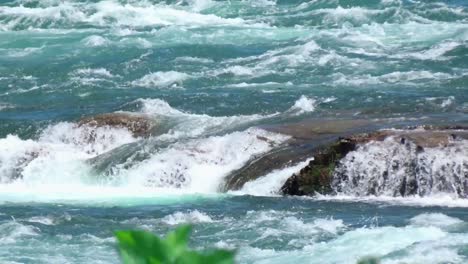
(213, 77)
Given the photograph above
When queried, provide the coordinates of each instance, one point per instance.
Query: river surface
(210, 73)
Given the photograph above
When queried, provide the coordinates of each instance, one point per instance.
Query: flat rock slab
(139, 125)
(311, 129)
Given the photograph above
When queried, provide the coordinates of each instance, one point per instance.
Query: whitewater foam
(430, 201)
(170, 79)
(194, 216)
(58, 155)
(347, 248)
(108, 14)
(4, 106)
(186, 124)
(434, 219)
(304, 105)
(42, 220)
(95, 41)
(12, 231)
(94, 72)
(317, 226)
(199, 165)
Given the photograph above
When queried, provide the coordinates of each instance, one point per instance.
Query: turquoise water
(209, 72)
(263, 230)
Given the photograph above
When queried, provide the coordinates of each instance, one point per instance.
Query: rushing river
(211, 74)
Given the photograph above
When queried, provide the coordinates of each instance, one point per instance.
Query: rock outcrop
(306, 137)
(276, 159)
(388, 162)
(317, 175)
(139, 125)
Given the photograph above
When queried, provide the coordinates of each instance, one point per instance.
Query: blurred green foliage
(139, 247)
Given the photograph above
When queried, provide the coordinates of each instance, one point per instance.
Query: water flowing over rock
(389, 162)
(418, 163)
(307, 137)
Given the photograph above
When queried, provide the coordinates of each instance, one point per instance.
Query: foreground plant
(139, 247)
(369, 260)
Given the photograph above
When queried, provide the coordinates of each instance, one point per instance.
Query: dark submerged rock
(276, 159)
(306, 137)
(317, 175)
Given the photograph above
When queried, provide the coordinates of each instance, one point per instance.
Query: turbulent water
(210, 73)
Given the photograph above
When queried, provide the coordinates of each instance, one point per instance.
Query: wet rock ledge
(388, 162)
(138, 124)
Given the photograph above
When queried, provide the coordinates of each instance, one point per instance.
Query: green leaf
(177, 241)
(139, 247)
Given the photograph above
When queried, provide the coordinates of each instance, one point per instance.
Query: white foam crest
(266, 216)
(45, 220)
(139, 42)
(112, 13)
(89, 238)
(448, 102)
(441, 200)
(95, 41)
(347, 248)
(191, 125)
(264, 84)
(58, 155)
(23, 52)
(89, 140)
(170, 79)
(4, 106)
(329, 225)
(317, 226)
(13, 153)
(355, 14)
(146, 14)
(94, 72)
(199, 165)
(436, 251)
(408, 78)
(89, 192)
(442, 102)
(224, 245)
(237, 70)
(304, 105)
(200, 5)
(193, 59)
(434, 219)
(434, 53)
(194, 216)
(39, 16)
(329, 99)
(12, 231)
(270, 183)
(291, 56)
(397, 77)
